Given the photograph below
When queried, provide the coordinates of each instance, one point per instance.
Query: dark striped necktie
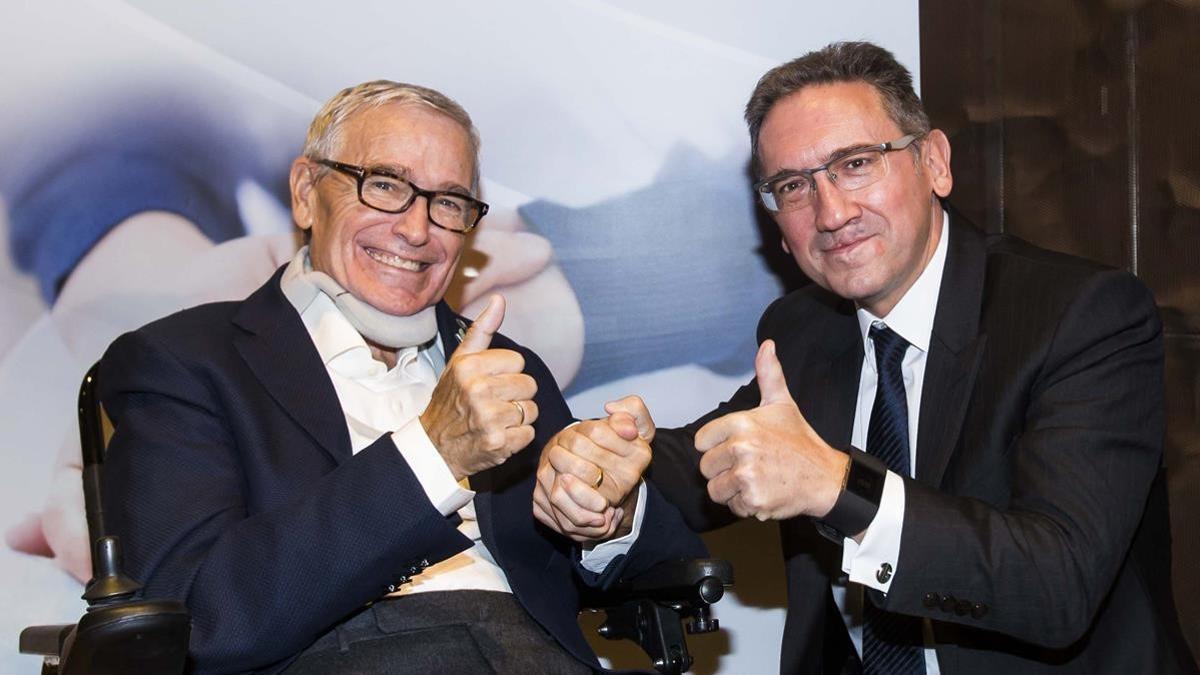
(891, 642)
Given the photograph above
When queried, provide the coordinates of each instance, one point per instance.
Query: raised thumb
(479, 335)
(772, 387)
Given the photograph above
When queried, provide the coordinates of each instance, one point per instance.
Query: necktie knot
(889, 346)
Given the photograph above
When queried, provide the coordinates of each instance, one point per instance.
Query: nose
(834, 207)
(413, 223)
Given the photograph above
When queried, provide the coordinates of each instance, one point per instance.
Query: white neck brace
(301, 283)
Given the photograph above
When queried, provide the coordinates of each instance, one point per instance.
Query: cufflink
(462, 330)
(884, 573)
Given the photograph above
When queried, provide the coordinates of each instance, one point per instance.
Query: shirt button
(884, 574)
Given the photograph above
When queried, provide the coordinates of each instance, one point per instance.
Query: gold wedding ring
(522, 409)
(599, 479)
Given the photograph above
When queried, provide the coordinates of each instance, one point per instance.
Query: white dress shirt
(911, 319)
(379, 401)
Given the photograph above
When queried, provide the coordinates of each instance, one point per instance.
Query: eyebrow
(830, 156)
(399, 171)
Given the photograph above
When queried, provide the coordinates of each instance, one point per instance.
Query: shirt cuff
(873, 562)
(597, 559)
(435, 477)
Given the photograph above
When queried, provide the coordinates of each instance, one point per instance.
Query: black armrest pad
(678, 574)
(694, 581)
(44, 640)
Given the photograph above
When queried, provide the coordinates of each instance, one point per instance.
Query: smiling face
(871, 244)
(399, 263)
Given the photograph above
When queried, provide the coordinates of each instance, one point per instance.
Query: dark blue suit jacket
(231, 481)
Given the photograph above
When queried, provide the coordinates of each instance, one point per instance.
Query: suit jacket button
(884, 573)
(932, 599)
(948, 603)
(424, 563)
(962, 607)
(979, 610)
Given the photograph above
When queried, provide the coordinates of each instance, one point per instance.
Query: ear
(936, 151)
(304, 192)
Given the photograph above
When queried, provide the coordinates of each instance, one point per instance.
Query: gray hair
(840, 62)
(324, 134)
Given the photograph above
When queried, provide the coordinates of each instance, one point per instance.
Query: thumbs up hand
(767, 462)
(482, 409)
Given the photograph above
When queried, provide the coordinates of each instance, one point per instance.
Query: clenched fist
(588, 474)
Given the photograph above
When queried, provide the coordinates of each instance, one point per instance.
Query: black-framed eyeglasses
(384, 191)
(854, 169)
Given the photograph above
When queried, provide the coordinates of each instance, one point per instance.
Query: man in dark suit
(1008, 399)
(336, 474)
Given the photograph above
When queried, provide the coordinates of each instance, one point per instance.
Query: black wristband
(858, 501)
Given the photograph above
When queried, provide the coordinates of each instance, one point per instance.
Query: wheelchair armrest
(146, 636)
(696, 581)
(44, 640)
(143, 636)
(650, 607)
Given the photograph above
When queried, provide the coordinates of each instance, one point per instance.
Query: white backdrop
(614, 154)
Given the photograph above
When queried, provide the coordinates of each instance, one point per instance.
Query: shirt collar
(912, 317)
(339, 345)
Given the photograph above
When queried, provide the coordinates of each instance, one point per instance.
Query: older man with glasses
(337, 473)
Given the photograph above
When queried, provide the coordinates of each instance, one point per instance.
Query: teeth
(395, 260)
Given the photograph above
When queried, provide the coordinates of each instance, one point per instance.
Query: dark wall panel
(1076, 125)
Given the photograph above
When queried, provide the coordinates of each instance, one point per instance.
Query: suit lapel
(955, 350)
(833, 398)
(451, 328)
(278, 350)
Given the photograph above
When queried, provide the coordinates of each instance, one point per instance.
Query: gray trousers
(439, 632)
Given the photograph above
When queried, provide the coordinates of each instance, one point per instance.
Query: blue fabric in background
(72, 177)
(59, 220)
(667, 275)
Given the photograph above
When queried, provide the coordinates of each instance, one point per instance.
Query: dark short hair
(839, 62)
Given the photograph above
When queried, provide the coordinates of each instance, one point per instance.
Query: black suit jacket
(231, 481)
(1039, 439)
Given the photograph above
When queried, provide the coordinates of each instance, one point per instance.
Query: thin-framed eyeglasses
(384, 191)
(853, 169)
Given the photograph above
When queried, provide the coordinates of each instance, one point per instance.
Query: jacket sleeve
(261, 580)
(1086, 444)
(664, 536)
